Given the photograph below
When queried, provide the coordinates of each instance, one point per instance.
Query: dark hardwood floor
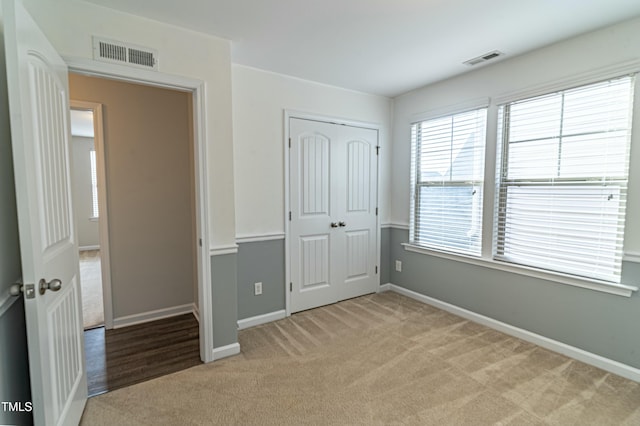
(125, 356)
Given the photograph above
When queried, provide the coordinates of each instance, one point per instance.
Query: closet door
(333, 194)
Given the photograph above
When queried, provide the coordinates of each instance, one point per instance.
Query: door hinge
(289, 142)
(378, 150)
(290, 286)
(289, 216)
(376, 269)
(200, 242)
(376, 211)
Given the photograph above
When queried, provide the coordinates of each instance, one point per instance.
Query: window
(94, 185)
(562, 180)
(446, 182)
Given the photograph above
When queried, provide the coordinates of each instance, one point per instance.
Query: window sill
(617, 289)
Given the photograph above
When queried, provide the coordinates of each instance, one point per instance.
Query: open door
(39, 107)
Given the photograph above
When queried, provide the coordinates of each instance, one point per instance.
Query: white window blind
(94, 184)
(563, 180)
(446, 182)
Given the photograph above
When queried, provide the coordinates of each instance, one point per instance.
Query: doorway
(146, 161)
(86, 136)
(332, 227)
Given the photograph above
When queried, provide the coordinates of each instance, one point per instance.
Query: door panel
(357, 254)
(359, 176)
(51, 160)
(312, 207)
(314, 174)
(39, 111)
(314, 261)
(359, 216)
(333, 227)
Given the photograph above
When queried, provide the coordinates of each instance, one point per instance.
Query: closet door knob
(342, 224)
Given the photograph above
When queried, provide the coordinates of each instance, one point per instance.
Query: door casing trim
(198, 89)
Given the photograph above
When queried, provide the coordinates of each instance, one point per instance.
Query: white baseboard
(226, 351)
(152, 315)
(261, 319)
(87, 248)
(385, 287)
(606, 364)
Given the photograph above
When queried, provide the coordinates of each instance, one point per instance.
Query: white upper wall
(259, 101)
(581, 55)
(69, 25)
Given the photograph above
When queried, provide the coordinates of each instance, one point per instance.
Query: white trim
(226, 351)
(261, 319)
(398, 225)
(287, 210)
(205, 298)
(457, 108)
(157, 314)
(606, 364)
(574, 80)
(221, 250)
(288, 115)
(631, 256)
(256, 238)
(128, 74)
(385, 287)
(198, 90)
(617, 289)
(196, 311)
(88, 248)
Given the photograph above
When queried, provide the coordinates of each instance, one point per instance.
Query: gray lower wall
(14, 366)
(264, 261)
(600, 323)
(224, 299)
(261, 261)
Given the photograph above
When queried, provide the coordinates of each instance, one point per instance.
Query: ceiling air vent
(124, 53)
(483, 58)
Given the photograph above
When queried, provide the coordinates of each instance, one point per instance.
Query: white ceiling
(384, 47)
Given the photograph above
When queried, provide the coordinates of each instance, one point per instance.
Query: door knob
(342, 224)
(16, 289)
(53, 285)
(334, 225)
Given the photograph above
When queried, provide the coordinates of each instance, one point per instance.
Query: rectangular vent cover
(483, 58)
(124, 53)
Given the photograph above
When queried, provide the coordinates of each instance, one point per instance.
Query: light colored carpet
(377, 360)
(91, 280)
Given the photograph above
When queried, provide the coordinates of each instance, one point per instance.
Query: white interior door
(39, 108)
(333, 224)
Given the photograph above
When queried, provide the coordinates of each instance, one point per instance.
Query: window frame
(627, 287)
(416, 184)
(592, 181)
